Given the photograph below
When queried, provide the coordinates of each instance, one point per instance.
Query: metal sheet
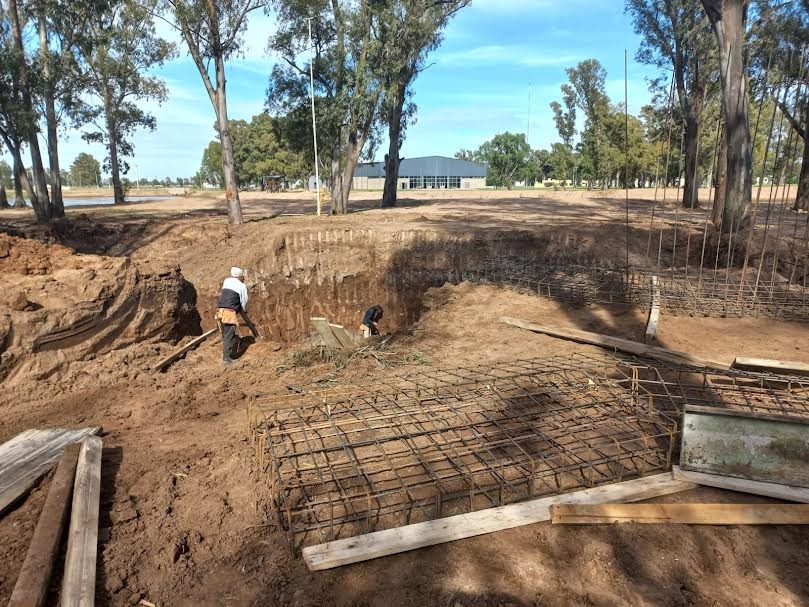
(746, 445)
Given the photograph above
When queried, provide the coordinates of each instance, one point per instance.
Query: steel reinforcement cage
(345, 461)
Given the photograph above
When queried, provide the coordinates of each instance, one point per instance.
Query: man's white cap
(236, 272)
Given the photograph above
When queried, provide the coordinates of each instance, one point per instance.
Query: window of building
(429, 183)
(455, 182)
(416, 183)
(441, 183)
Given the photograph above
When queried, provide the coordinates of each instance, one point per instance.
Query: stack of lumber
(29, 455)
(334, 336)
(75, 491)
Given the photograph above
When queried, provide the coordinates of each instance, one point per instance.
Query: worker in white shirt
(232, 303)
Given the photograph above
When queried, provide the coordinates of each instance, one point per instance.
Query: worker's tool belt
(226, 316)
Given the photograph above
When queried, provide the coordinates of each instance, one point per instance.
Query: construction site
(527, 385)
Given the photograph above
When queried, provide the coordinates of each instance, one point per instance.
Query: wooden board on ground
(344, 337)
(187, 347)
(781, 492)
(33, 581)
(79, 581)
(654, 313)
(765, 365)
(687, 514)
(326, 334)
(430, 533)
(29, 455)
(617, 343)
(759, 447)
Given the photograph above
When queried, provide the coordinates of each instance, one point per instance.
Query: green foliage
(85, 171)
(211, 171)
(124, 48)
(258, 151)
(6, 175)
(507, 155)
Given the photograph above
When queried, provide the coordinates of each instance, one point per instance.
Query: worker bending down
(369, 324)
(232, 302)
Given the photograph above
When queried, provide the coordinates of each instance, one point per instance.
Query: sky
(496, 55)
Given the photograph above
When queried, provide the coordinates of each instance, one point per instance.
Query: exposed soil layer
(184, 513)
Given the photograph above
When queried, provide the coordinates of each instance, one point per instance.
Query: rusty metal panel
(742, 444)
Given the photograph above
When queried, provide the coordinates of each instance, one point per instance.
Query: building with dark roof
(429, 172)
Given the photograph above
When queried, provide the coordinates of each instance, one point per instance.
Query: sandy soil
(184, 519)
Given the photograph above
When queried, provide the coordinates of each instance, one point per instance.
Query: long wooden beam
(689, 514)
(430, 533)
(654, 313)
(617, 343)
(766, 365)
(781, 492)
(187, 347)
(34, 578)
(79, 581)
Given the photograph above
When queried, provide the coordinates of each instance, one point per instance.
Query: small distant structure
(274, 183)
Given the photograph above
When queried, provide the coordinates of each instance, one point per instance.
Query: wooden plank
(687, 514)
(79, 582)
(654, 313)
(344, 337)
(430, 533)
(326, 334)
(29, 455)
(34, 578)
(759, 447)
(617, 343)
(187, 347)
(765, 365)
(781, 492)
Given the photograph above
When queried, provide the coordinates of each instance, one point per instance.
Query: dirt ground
(184, 519)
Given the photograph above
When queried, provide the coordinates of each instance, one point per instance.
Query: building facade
(427, 173)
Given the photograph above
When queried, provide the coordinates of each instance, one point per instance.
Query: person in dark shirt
(369, 324)
(232, 302)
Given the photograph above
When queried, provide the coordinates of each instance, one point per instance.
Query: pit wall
(339, 273)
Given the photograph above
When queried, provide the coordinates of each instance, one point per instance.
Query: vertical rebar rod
(764, 99)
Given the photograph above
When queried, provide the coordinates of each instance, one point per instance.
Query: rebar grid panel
(709, 294)
(391, 459)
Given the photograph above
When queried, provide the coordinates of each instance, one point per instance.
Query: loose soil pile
(185, 518)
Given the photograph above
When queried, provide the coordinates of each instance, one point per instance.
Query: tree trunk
(728, 19)
(41, 202)
(228, 161)
(112, 144)
(3, 197)
(19, 172)
(802, 200)
(392, 159)
(721, 176)
(52, 125)
(691, 182)
(336, 185)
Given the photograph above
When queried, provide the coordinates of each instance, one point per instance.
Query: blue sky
(494, 52)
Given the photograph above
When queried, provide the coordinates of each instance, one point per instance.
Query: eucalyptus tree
(729, 21)
(677, 38)
(213, 32)
(407, 31)
(346, 71)
(122, 50)
(17, 112)
(782, 30)
(586, 91)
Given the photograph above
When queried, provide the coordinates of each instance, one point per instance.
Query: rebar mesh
(438, 442)
(696, 293)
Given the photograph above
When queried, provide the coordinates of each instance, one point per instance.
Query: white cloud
(504, 55)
